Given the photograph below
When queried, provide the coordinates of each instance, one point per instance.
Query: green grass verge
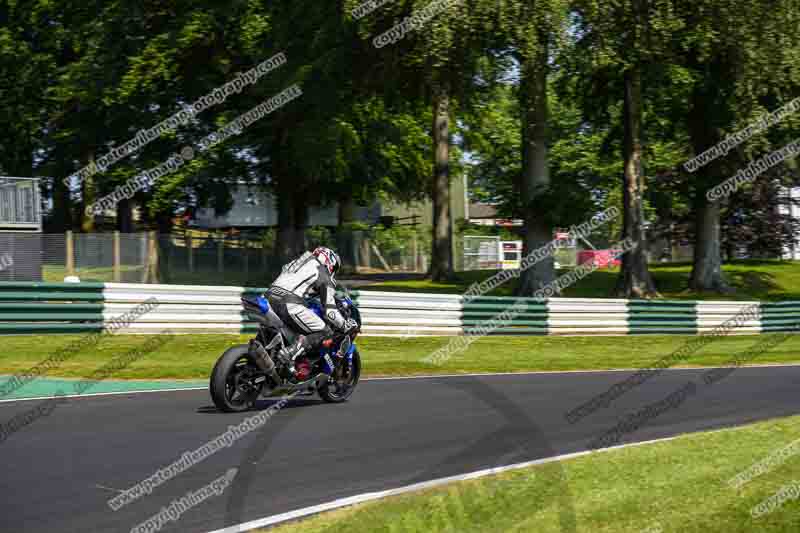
(674, 486)
(133, 274)
(57, 273)
(753, 280)
(193, 356)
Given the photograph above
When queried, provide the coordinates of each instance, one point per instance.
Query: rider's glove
(350, 325)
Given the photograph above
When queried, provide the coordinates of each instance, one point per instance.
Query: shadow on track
(512, 441)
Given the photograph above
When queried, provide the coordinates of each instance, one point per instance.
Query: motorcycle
(248, 371)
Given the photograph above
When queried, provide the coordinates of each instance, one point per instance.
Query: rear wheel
(236, 381)
(343, 381)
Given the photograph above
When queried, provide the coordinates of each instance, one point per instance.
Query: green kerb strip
(43, 387)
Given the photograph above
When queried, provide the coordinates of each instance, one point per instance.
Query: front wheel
(343, 381)
(236, 380)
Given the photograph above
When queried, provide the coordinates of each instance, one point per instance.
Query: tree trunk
(345, 238)
(61, 218)
(285, 191)
(364, 253)
(20, 162)
(88, 198)
(707, 267)
(442, 253)
(164, 244)
(535, 178)
(730, 251)
(164, 222)
(284, 245)
(125, 216)
(707, 261)
(300, 206)
(635, 280)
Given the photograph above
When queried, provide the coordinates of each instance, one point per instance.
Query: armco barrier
(80, 307)
(76, 307)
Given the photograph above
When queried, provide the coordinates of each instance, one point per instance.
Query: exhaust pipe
(264, 361)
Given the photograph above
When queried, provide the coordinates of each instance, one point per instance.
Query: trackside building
(20, 229)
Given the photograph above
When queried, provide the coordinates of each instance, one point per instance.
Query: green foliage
(397, 241)
(318, 236)
(77, 78)
(463, 228)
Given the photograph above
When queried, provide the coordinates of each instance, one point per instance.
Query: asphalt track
(59, 472)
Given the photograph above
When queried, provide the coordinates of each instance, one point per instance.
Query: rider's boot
(291, 352)
(304, 345)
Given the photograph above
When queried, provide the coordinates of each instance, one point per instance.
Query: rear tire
(226, 380)
(328, 391)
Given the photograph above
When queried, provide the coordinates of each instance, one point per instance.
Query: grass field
(193, 356)
(674, 486)
(133, 274)
(57, 273)
(753, 280)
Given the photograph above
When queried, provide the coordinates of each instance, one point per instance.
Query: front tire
(341, 389)
(231, 380)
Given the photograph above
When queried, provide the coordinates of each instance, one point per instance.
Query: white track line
(371, 496)
(433, 376)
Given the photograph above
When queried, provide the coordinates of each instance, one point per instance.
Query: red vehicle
(600, 258)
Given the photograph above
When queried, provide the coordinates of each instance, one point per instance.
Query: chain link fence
(481, 252)
(198, 258)
(54, 257)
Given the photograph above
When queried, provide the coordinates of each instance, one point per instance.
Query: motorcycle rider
(310, 275)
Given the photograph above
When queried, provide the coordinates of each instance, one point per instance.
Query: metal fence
(194, 257)
(481, 252)
(203, 258)
(20, 204)
(21, 256)
(53, 257)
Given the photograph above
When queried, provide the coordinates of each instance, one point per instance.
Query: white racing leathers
(302, 278)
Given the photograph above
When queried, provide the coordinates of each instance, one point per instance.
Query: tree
(435, 63)
(728, 69)
(630, 37)
(35, 44)
(536, 31)
(758, 220)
